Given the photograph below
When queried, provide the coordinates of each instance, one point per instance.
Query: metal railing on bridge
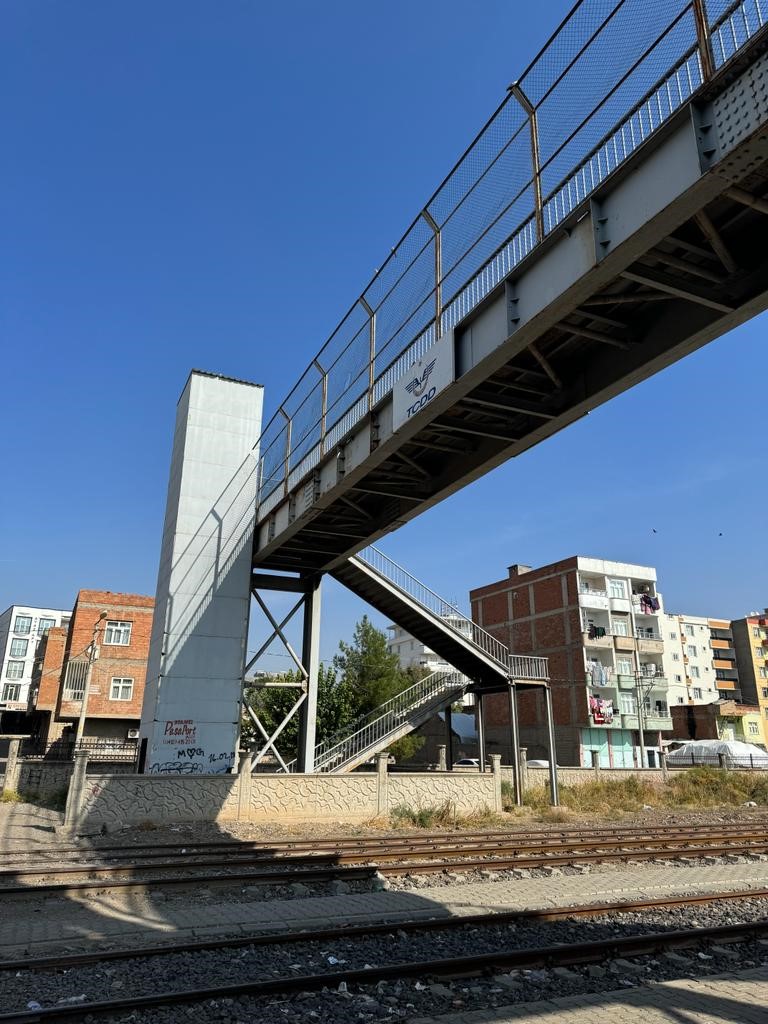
(375, 727)
(451, 616)
(612, 74)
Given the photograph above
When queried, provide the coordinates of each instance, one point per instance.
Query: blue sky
(192, 184)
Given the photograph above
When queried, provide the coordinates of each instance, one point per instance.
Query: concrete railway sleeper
(186, 875)
(557, 956)
(415, 849)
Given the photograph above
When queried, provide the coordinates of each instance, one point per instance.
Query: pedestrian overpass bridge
(608, 219)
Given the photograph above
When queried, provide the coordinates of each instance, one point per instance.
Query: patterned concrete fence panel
(105, 801)
(467, 793)
(111, 801)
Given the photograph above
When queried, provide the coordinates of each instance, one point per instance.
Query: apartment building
(112, 631)
(600, 624)
(750, 641)
(688, 659)
(22, 628)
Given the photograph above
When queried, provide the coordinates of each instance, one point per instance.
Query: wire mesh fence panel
(610, 76)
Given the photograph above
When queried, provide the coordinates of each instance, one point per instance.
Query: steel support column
(449, 738)
(310, 658)
(514, 732)
(554, 796)
(480, 716)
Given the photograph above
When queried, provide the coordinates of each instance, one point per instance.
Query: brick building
(721, 720)
(120, 626)
(598, 622)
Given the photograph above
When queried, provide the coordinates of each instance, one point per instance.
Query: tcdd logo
(421, 402)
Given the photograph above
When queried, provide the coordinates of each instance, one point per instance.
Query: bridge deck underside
(709, 274)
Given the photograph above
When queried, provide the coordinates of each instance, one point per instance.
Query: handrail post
(287, 458)
(438, 272)
(533, 123)
(371, 346)
(704, 40)
(324, 409)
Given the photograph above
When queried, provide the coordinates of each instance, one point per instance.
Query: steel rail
(659, 849)
(560, 955)
(389, 839)
(373, 851)
(494, 919)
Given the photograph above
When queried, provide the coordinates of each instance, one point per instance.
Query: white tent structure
(737, 754)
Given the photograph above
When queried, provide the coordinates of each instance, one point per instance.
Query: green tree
(371, 672)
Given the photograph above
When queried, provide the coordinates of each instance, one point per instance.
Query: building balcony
(593, 599)
(650, 645)
(652, 722)
(619, 604)
(615, 722)
(624, 643)
(722, 663)
(598, 641)
(720, 645)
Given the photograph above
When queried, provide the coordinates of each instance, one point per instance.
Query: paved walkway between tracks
(735, 998)
(77, 922)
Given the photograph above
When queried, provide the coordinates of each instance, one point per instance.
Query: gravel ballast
(396, 1000)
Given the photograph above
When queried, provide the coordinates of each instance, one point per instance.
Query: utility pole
(639, 700)
(88, 673)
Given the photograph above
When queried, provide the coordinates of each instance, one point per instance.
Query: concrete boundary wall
(107, 801)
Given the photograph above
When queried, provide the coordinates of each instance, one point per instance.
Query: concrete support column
(382, 779)
(244, 780)
(595, 762)
(663, 765)
(310, 659)
(514, 733)
(480, 715)
(76, 792)
(441, 761)
(496, 772)
(722, 761)
(11, 777)
(449, 738)
(523, 755)
(553, 789)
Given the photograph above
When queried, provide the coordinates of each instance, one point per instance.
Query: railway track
(473, 964)
(360, 860)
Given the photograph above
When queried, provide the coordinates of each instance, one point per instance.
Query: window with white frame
(121, 689)
(678, 679)
(117, 632)
(627, 702)
(691, 650)
(765, 692)
(619, 627)
(756, 631)
(19, 648)
(624, 666)
(763, 673)
(22, 624)
(675, 656)
(758, 652)
(44, 624)
(673, 636)
(695, 674)
(14, 670)
(11, 691)
(697, 693)
(754, 728)
(616, 588)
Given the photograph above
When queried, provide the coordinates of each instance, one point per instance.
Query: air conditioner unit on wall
(133, 734)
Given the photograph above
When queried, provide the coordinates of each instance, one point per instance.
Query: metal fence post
(438, 271)
(324, 400)
(533, 122)
(371, 347)
(287, 458)
(704, 39)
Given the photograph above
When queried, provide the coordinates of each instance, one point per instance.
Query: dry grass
(441, 816)
(10, 796)
(697, 788)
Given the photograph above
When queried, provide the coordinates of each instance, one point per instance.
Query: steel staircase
(446, 630)
(391, 721)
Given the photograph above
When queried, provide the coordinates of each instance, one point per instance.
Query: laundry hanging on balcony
(596, 632)
(601, 710)
(649, 605)
(598, 673)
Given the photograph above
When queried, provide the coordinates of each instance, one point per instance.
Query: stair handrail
(377, 723)
(421, 593)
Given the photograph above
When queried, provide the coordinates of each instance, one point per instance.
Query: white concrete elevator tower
(191, 714)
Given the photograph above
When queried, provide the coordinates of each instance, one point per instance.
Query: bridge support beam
(514, 732)
(554, 796)
(307, 665)
(480, 717)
